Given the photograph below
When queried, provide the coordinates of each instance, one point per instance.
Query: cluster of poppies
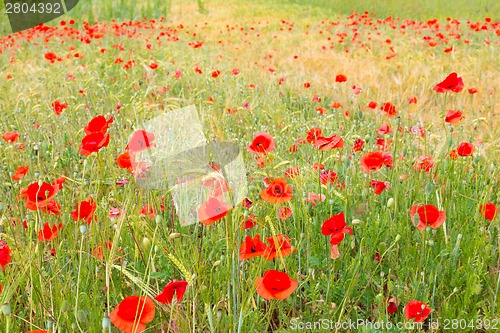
(96, 136)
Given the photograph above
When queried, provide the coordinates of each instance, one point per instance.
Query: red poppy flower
(335, 227)
(148, 210)
(374, 161)
(10, 137)
(84, 210)
(99, 252)
(98, 124)
(428, 215)
(313, 134)
(173, 287)
(153, 66)
(340, 78)
(215, 73)
(278, 191)
(53, 207)
(4, 254)
(379, 187)
(140, 140)
(465, 149)
(472, 91)
(52, 57)
(275, 284)
(453, 117)
(417, 310)
(218, 185)
(281, 248)
(133, 313)
(412, 100)
(489, 211)
(312, 198)
(423, 163)
(327, 143)
(249, 222)
(49, 233)
(372, 105)
(284, 212)
(93, 142)
(336, 105)
(125, 161)
(246, 203)
(213, 210)
(38, 196)
(252, 247)
(262, 143)
(384, 129)
(20, 172)
(358, 145)
(59, 107)
(451, 83)
(38, 331)
(389, 109)
(392, 307)
(328, 176)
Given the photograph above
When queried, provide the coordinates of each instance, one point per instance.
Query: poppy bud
(146, 243)
(356, 221)
(83, 229)
(158, 219)
(5, 309)
(174, 235)
(217, 263)
(105, 322)
(390, 202)
(398, 237)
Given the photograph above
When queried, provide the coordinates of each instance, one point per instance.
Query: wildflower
(10, 137)
(416, 310)
(423, 163)
(278, 191)
(133, 313)
(173, 287)
(379, 187)
(284, 212)
(38, 196)
(465, 149)
(213, 210)
(59, 107)
(4, 254)
(252, 247)
(428, 215)
(451, 83)
(98, 124)
(489, 211)
(84, 210)
(20, 172)
(275, 284)
(453, 117)
(49, 233)
(93, 142)
(262, 143)
(140, 140)
(327, 143)
(375, 160)
(279, 246)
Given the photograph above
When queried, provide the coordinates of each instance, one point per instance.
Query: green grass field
(255, 67)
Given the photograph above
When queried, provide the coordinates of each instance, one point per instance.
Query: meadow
(370, 144)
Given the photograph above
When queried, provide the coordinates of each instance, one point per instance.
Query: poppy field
(370, 147)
